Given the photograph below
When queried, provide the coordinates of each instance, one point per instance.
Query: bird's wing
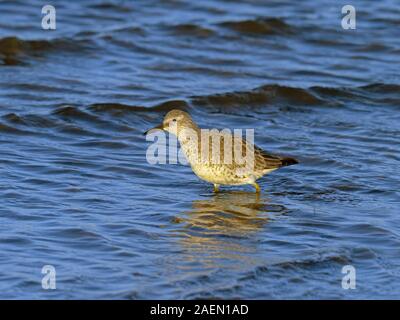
(262, 159)
(265, 160)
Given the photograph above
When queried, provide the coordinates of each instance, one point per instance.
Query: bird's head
(175, 121)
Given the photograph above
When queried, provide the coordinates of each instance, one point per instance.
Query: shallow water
(76, 189)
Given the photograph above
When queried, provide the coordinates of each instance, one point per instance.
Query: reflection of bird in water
(222, 231)
(232, 213)
(223, 227)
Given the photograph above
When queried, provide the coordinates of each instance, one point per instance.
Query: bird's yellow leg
(216, 187)
(258, 189)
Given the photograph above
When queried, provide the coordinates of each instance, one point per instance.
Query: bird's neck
(190, 140)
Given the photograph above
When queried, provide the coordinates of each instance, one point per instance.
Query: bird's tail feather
(288, 162)
(275, 161)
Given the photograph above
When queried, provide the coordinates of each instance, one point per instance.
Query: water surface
(76, 189)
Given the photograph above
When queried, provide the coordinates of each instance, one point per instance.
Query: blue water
(77, 192)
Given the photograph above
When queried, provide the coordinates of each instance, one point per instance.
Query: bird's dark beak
(159, 127)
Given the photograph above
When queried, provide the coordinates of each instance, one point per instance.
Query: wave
(266, 94)
(260, 97)
(293, 96)
(382, 88)
(118, 108)
(192, 30)
(6, 129)
(13, 50)
(375, 93)
(111, 6)
(260, 26)
(108, 115)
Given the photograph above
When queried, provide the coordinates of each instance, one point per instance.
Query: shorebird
(220, 165)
